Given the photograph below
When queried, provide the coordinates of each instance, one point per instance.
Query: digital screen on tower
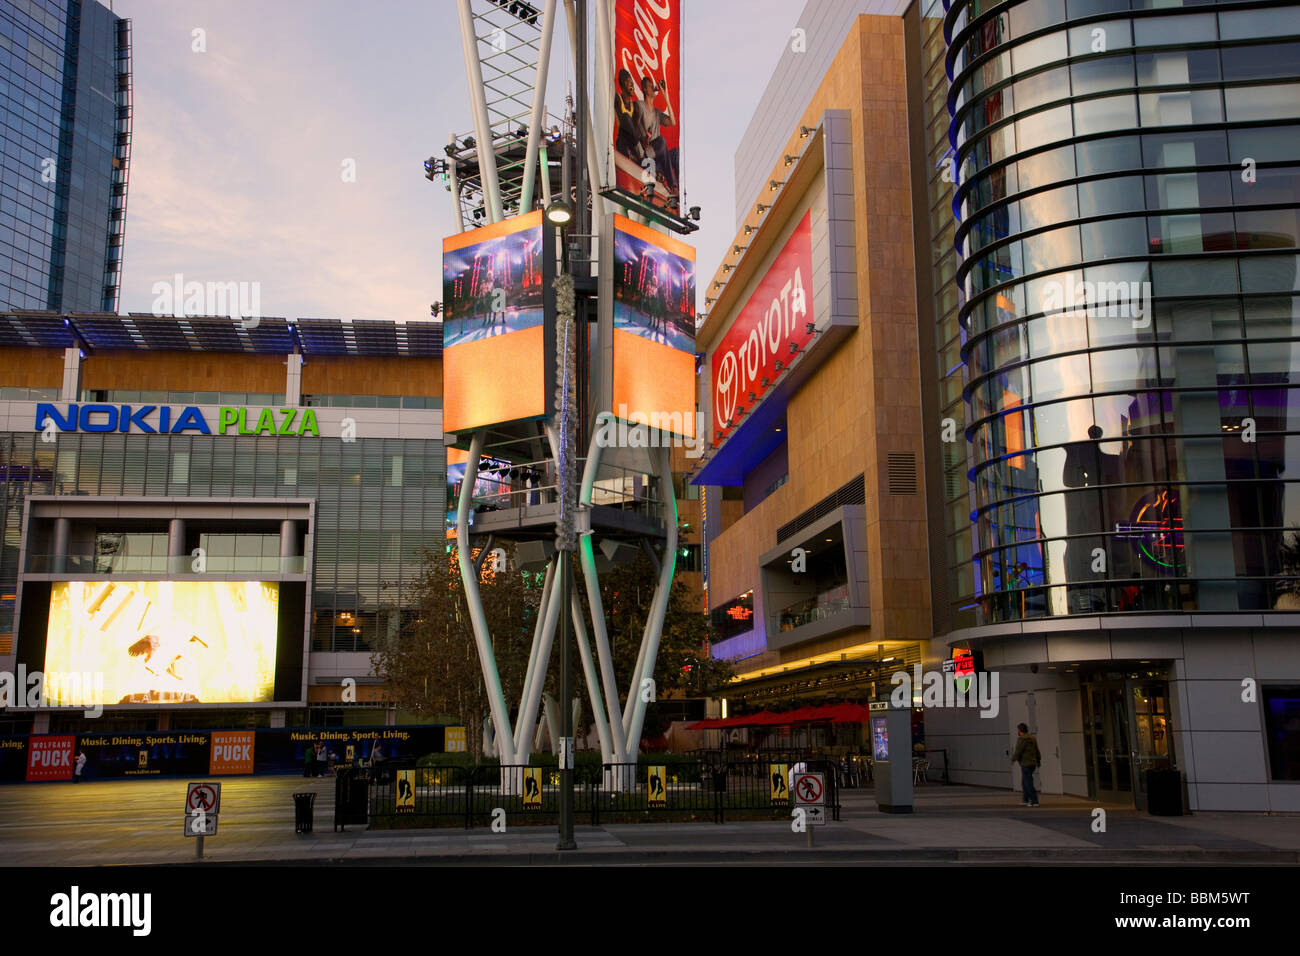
(494, 319)
(166, 642)
(654, 329)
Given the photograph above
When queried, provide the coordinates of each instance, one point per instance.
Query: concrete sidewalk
(140, 822)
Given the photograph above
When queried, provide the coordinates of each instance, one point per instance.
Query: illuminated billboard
(647, 100)
(654, 328)
(166, 642)
(772, 327)
(496, 282)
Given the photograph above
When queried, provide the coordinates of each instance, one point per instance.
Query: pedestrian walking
(80, 768)
(310, 765)
(1029, 758)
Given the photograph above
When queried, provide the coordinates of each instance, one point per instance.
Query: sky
(239, 149)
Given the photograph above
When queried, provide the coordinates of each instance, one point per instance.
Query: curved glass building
(1128, 217)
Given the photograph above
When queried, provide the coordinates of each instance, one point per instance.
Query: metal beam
(539, 108)
(474, 602)
(487, 160)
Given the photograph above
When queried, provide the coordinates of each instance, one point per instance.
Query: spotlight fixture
(805, 132)
(789, 160)
(694, 213)
(766, 382)
(773, 185)
(749, 230)
(717, 285)
(727, 268)
(753, 397)
(470, 142)
(810, 328)
(762, 208)
(737, 250)
(558, 213)
(710, 299)
(794, 348)
(779, 365)
(435, 309)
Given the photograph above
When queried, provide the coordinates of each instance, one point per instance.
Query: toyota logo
(728, 389)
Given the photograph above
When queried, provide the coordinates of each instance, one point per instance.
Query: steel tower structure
(518, 158)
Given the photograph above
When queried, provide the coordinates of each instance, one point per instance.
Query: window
(1282, 727)
(734, 617)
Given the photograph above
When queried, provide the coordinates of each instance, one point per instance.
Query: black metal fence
(403, 794)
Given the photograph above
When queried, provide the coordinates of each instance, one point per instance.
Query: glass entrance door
(1152, 737)
(1106, 742)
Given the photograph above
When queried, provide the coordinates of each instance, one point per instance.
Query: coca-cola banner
(757, 346)
(647, 105)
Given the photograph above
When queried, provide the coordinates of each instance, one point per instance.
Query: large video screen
(494, 319)
(654, 328)
(166, 642)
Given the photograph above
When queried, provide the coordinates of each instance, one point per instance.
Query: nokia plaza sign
(170, 420)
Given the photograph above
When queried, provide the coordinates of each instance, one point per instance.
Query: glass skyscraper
(65, 146)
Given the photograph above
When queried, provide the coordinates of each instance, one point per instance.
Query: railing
(533, 483)
(828, 603)
(477, 796)
(161, 564)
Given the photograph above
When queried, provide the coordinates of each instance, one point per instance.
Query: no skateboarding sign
(202, 804)
(810, 793)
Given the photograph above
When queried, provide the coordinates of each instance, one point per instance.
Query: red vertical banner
(647, 100)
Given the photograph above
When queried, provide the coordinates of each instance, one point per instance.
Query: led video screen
(494, 293)
(167, 642)
(654, 328)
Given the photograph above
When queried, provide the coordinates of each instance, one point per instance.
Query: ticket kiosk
(891, 754)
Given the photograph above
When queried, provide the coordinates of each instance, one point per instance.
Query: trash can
(302, 806)
(1164, 793)
(351, 797)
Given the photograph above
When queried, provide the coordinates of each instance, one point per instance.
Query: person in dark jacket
(1027, 755)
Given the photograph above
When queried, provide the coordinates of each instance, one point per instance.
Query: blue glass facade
(65, 93)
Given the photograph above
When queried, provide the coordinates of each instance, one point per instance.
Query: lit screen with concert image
(494, 316)
(654, 324)
(166, 642)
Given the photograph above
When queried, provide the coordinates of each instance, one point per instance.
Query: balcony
(815, 583)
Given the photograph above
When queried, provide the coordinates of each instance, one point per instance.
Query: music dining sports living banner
(775, 317)
(647, 100)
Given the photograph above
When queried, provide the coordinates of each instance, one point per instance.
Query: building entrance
(1126, 731)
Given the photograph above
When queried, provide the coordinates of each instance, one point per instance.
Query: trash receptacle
(302, 807)
(1164, 793)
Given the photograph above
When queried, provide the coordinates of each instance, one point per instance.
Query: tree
(683, 663)
(433, 665)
